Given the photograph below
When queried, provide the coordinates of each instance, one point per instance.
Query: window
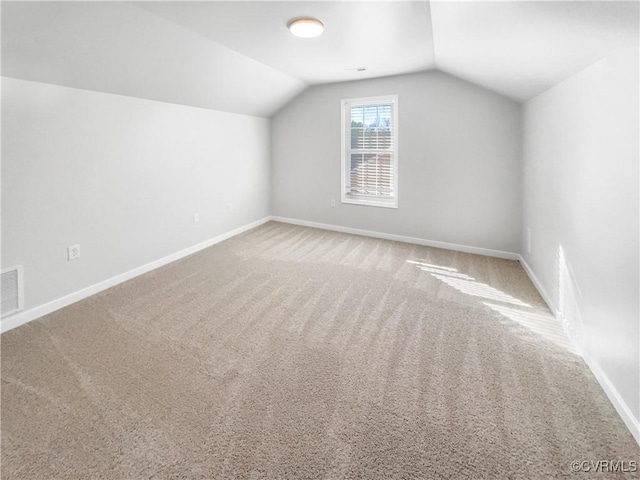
(370, 151)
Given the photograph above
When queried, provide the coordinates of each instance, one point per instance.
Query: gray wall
(459, 161)
(581, 206)
(120, 176)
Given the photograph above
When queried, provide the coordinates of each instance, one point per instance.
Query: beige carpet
(289, 352)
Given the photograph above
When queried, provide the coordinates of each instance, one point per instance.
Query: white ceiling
(387, 38)
(238, 56)
(117, 48)
(521, 49)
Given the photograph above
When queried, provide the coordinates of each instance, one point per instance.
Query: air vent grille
(12, 291)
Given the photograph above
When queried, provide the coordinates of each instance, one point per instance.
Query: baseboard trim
(27, 316)
(612, 393)
(543, 292)
(610, 390)
(400, 238)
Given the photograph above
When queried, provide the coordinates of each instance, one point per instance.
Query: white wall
(459, 161)
(581, 206)
(120, 176)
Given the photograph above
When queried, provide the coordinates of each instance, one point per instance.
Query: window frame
(363, 199)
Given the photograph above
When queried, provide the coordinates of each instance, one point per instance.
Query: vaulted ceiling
(238, 56)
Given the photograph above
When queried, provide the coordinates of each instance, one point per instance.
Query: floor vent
(12, 291)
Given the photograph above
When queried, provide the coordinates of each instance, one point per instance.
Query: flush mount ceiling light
(306, 27)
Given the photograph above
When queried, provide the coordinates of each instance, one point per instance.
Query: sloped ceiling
(238, 56)
(521, 49)
(117, 48)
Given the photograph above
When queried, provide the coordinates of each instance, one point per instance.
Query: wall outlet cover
(73, 252)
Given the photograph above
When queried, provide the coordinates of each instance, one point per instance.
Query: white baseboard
(610, 390)
(543, 293)
(619, 404)
(21, 318)
(400, 238)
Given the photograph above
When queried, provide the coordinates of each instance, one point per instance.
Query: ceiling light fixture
(306, 27)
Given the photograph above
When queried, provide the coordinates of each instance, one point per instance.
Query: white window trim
(364, 199)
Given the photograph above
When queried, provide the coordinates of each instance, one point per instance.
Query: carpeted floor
(289, 352)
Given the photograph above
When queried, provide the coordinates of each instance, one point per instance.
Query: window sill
(368, 202)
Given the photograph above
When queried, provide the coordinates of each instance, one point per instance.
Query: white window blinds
(369, 156)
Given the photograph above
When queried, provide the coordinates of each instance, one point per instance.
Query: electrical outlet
(73, 252)
(229, 207)
(332, 203)
(196, 217)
